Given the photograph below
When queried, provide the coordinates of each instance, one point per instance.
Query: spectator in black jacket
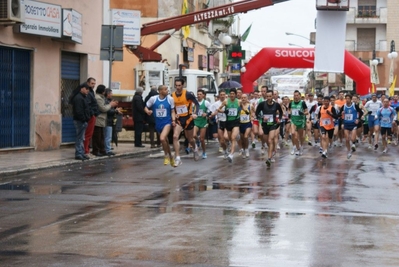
(138, 116)
(81, 117)
(151, 120)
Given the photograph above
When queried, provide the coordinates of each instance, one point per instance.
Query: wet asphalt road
(304, 211)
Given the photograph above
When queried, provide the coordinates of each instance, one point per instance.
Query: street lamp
(226, 40)
(392, 56)
(290, 33)
(375, 60)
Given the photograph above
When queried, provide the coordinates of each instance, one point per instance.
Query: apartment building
(46, 49)
(372, 30)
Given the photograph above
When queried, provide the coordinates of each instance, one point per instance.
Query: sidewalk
(18, 162)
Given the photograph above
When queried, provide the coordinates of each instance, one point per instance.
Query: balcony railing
(367, 12)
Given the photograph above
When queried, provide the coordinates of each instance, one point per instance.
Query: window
(367, 8)
(366, 39)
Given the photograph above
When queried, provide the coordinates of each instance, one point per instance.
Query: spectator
(98, 134)
(138, 116)
(91, 100)
(109, 122)
(81, 116)
(151, 120)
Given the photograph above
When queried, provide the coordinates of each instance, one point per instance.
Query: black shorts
(397, 123)
(232, 124)
(330, 133)
(365, 129)
(222, 125)
(186, 122)
(386, 131)
(359, 124)
(316, 125)
(267, 128)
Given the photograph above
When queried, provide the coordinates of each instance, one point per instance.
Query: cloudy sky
(270, 24)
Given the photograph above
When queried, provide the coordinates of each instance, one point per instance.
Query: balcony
(353, 45)
(367, 15)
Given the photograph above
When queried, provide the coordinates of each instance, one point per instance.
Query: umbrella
(229, 85)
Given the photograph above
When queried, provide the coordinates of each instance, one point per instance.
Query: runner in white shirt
(221, 119)
(372, 107)
(310, 118)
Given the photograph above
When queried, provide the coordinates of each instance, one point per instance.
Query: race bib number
(200, 112)
(326, 121)
(295, 112)
(221, 116)
(348, 117)
(385, 120)
(244, 117)
(268, 118)
(181, 109)
(232, 112)
(160, 113)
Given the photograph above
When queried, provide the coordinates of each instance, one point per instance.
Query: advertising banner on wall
(42, 19)
(130, 19)
(72, 25)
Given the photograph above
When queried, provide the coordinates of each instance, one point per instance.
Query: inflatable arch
(300, 58)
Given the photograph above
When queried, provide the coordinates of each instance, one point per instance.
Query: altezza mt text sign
(42, 19)
(130, 19)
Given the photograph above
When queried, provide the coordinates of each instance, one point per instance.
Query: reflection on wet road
(136, 212)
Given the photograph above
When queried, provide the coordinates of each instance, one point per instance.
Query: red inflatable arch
(300, 58)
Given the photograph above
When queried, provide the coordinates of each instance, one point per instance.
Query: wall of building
(46, 68)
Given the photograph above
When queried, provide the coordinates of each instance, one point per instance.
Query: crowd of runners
(243, 122)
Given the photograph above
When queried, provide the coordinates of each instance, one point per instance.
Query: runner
(373, 106)
(184, 101)
(386, 116)
(285, 126)
(277, 99)
(339, 132)
(395, 125)
(221, 120)
(311, 104)
(245, 124)
(232, 106)
(162, 107)
(298, 111)
(255, 122)
(360, 129)
(326, 116)
(270, 109)
(350, 114)
(201, 122)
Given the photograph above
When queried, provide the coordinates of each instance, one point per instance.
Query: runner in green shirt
(201, 122)
(297, 112)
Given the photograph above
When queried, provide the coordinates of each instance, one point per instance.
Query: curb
(64, 162)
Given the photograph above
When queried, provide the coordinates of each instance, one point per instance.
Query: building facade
(371, 29)
(41, 61)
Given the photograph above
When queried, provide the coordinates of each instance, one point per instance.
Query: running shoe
(375, 147)
(177, 162)
(187, 150)
(204, 156)
(353, 147)
(324, 154)
(310, 143)
(297, 152)
(196, 155)
(230, 158)
(370, 147)
(307, 139)
(293, 150)
(262, 150)
(349, 155)
(225, 155)
(278, 147)
(220, 149)
(240, 152)
(247, 153)
(272, 160)
(389, 141)
(320, 150)
(268, 162)
(301, 151)
(385, 150)
(166, 161)
(395, 142)
(340, 144)
(172, 162)
(253, 144)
